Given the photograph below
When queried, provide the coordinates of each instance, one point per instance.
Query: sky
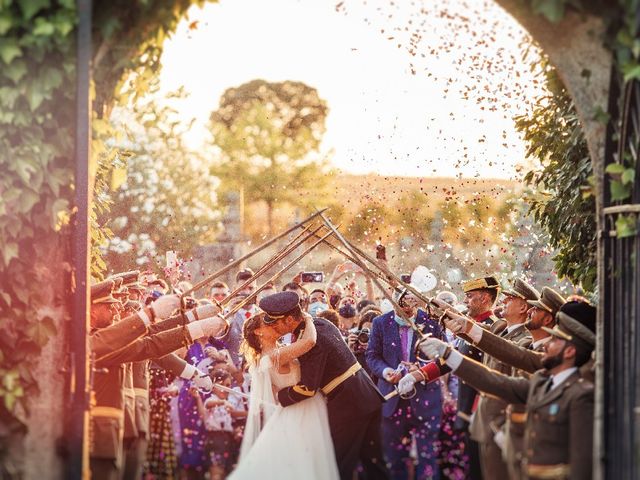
(420, 88)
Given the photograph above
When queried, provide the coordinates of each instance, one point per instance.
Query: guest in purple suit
(390, 350)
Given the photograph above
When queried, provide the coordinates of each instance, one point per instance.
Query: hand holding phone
(312, 277)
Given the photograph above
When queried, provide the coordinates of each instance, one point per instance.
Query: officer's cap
(279, 305)
(549, 300)
(102, 292)
(523, 290)
(482, 283)
(576, 324)
(130, 280)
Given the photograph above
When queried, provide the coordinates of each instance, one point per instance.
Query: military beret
(278, 305)
(549, 300)
(576, 323)
(483, 283)
(102, 292)
(523, 290)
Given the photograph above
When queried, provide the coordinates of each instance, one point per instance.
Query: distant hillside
(354, 191)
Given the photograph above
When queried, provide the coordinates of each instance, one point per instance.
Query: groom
(353, 401)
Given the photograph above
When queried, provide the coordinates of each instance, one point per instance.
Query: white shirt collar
(558, 378)
(537, 343)
(511, 328)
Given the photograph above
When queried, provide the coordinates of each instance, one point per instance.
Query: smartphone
(171, 259)
(406, 277)
(312, 277)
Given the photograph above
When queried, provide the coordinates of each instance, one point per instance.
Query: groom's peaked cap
(278, 305)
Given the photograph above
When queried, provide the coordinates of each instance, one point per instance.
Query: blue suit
(420, 415)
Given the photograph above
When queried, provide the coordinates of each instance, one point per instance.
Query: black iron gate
(620, 267)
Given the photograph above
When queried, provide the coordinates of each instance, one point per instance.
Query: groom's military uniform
(353, 401)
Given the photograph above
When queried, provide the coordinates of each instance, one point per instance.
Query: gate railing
(620, 288)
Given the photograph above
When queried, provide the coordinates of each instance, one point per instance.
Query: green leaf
(43, 28)
(9, 49)
(631, 71)
(16, 71)
(58, 209)
(31, 7)
(619, 191)
(41, 331)
(35, 96)
(5, 23)
(625, 226)
(27, 200)
(9, 252)
(628, 176)
(615, 169)
(552, 9)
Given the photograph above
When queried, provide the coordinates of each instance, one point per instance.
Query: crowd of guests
(184, 417)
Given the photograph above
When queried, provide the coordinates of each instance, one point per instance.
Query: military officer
(542, 314)
(559, 402)
(490, 413)
(480, 296)
(136, 451)
(131, 280)
(128, 342)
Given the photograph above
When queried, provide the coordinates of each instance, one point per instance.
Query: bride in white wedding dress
(282, 443)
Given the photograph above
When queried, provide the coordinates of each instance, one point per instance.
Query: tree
(168, 198)
(265, 132)
(563, 204)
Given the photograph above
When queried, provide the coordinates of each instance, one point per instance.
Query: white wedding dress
(294, 442)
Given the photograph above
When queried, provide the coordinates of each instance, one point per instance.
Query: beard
(550, 363)
(531, 325)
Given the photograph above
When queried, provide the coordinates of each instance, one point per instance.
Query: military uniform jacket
(507, 352)
(559, 429)
(516, 415)
(330, 357)
(466, 393)
(107, 413)
(116, 336)
(490, 413)
(140, 374)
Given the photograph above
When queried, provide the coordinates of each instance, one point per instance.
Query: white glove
(433, 347)
(456, 323)
(164, 306)
(388, 374)
(500, 439)
(203, 311)
(202, 381)
(406, 383)
(208, 327)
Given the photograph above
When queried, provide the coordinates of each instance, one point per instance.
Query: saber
(393, 276)
(235, 392)
(349, 257)
(364, 268)
(275, 277)
(391, 394)
(237, 262)
(271, 262)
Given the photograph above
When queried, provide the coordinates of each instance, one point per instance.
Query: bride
(282, 443)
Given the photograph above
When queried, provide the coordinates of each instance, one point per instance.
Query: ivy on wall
(37, 125)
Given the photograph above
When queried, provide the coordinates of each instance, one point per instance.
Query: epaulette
(585, 385)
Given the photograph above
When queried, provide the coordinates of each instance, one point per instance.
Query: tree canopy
(167, 199)
(562, 202)
(266, 132)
